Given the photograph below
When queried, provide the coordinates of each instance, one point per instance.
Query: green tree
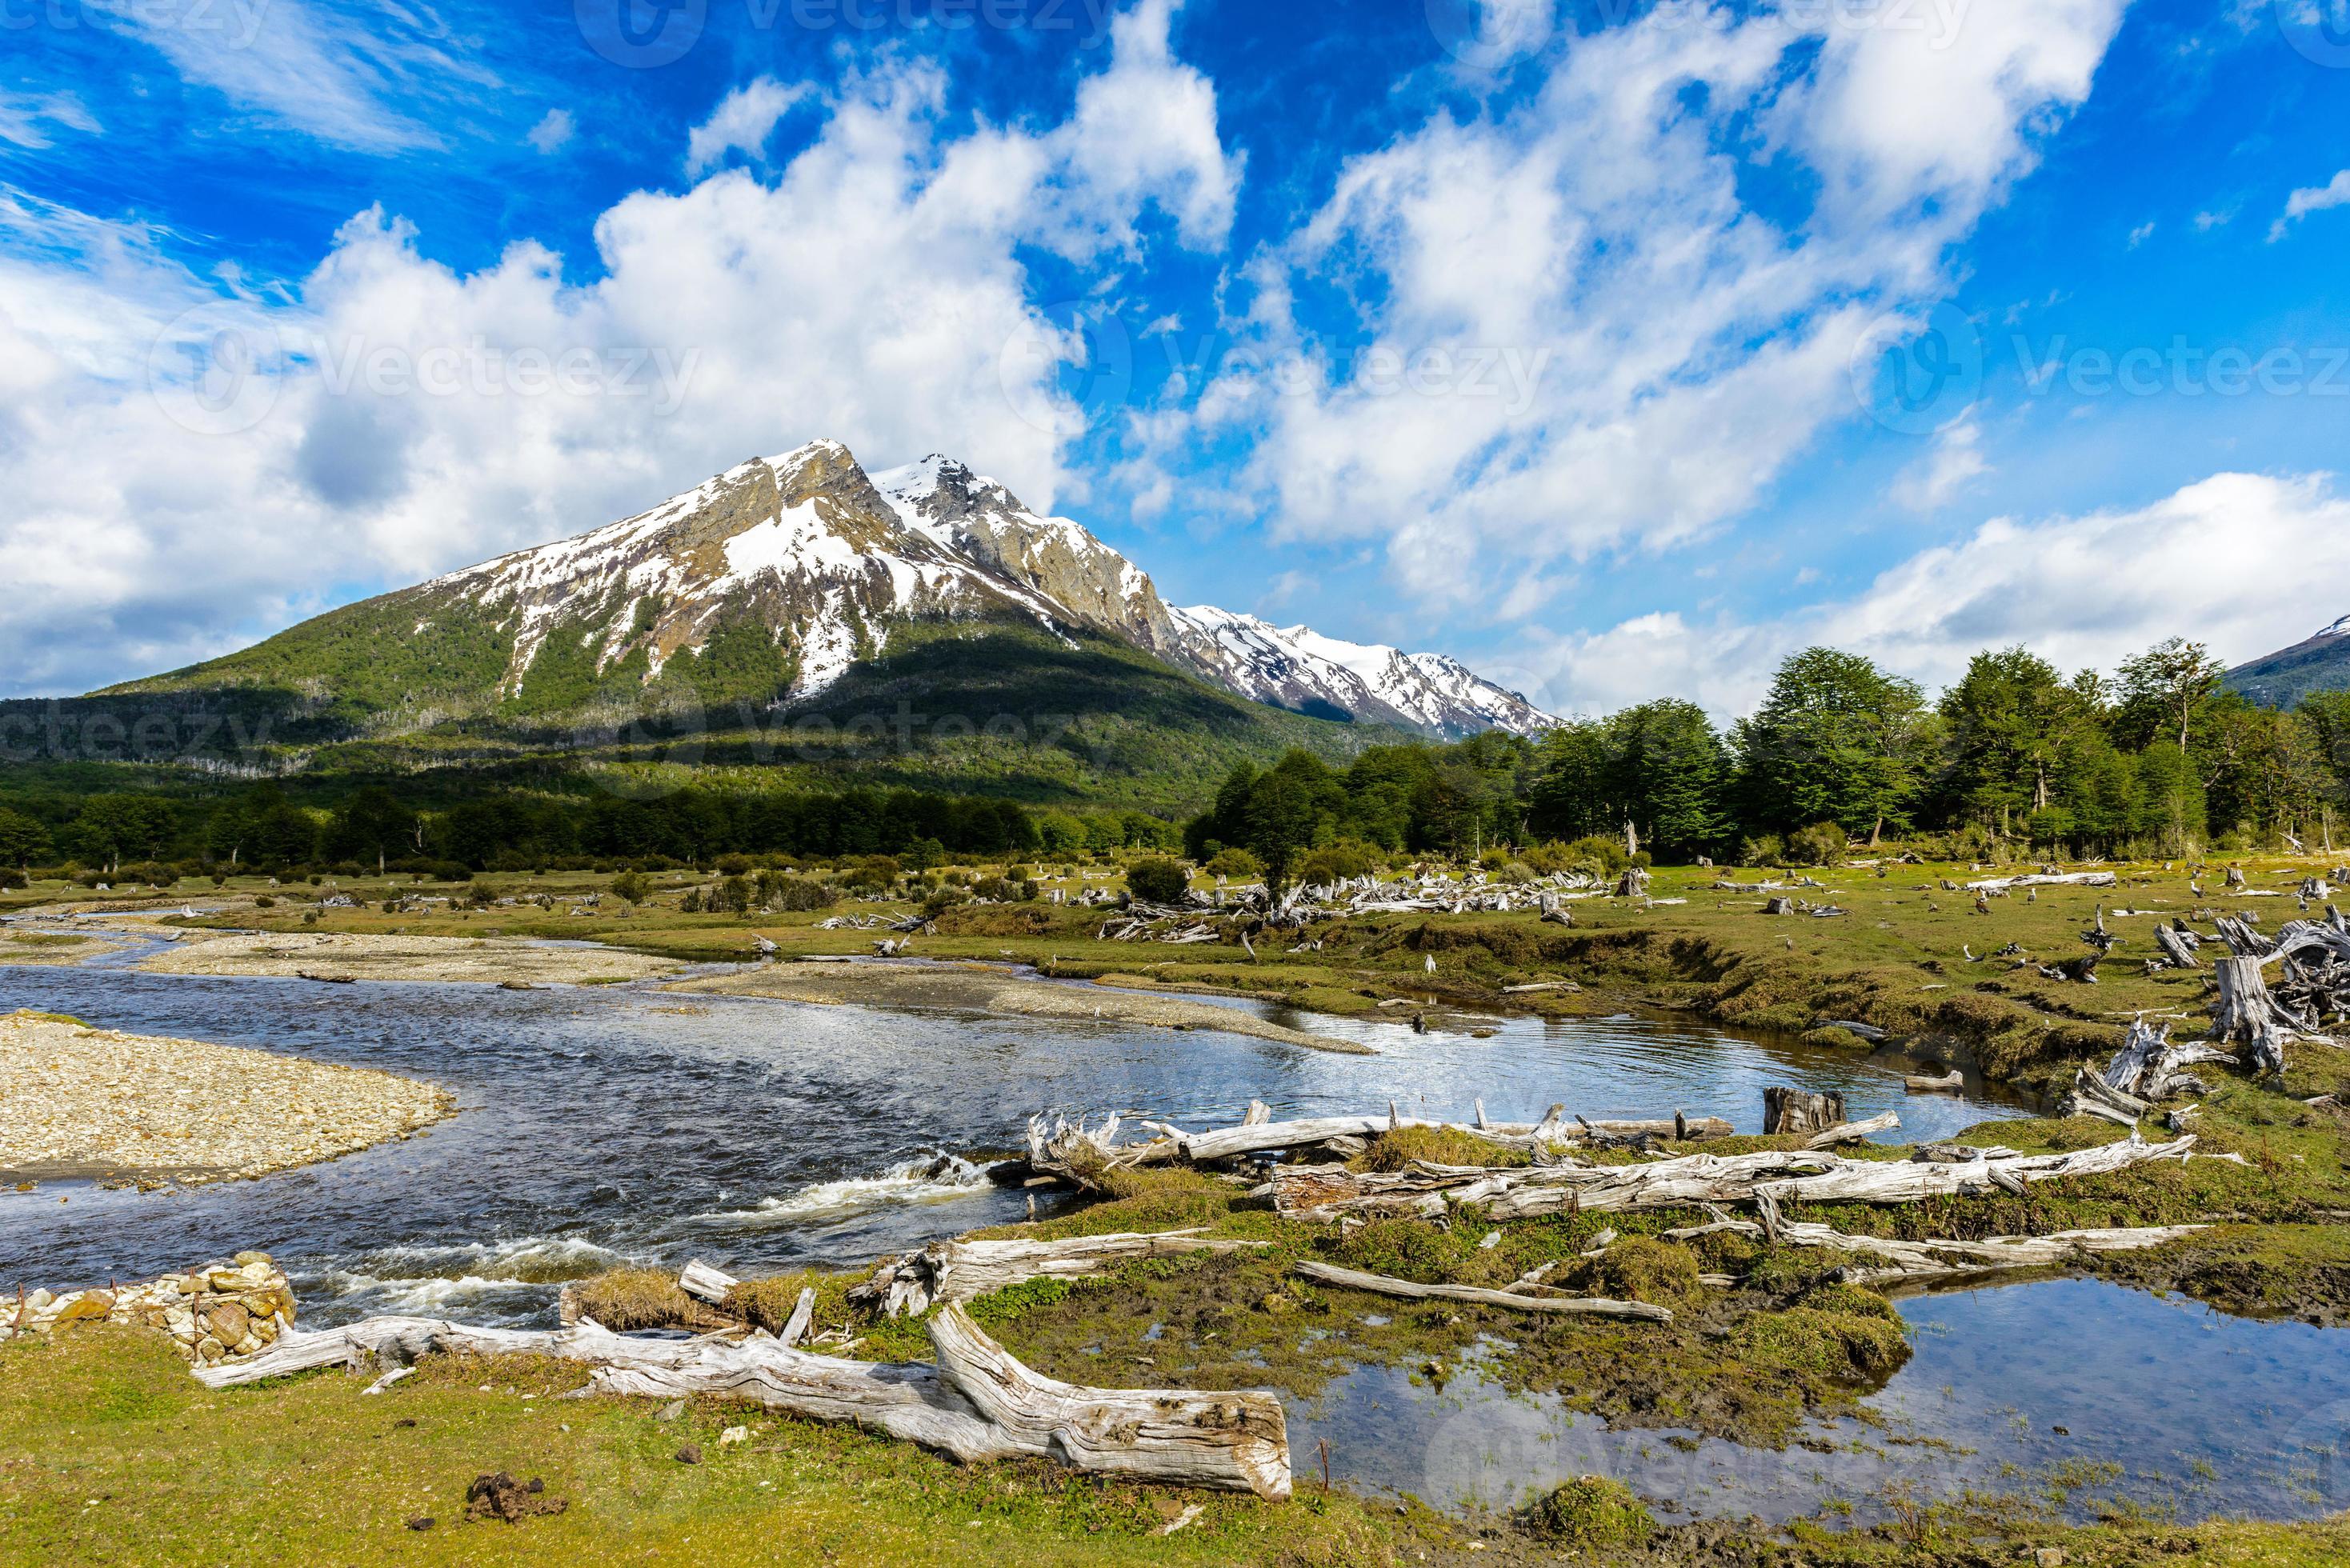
(2163, 689)
(1836, 739)
(2011, 726)
(1667, 766)
(22, 839)
(1287, 807)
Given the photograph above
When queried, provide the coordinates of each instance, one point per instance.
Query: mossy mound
(1849, 1346)
(1393, 1151)
(1640, 1269)
(1592, 1513)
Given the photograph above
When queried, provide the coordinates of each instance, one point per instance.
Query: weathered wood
(1855, 1132)
(704, 1283)
(2093, 1097)
(1911, 1181)
(2151, 1066)
(1797, 1112)
(2245, 1014)
(1553, 1306)
(2075, 879)
(1954, 1081)
(979, 1404)
(2178, 947)
(962, 1271)
(1235, 1441)
(1934, 1259)
(803, 1318)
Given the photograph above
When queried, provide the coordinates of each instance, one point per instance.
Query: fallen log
(2074, 879)
(1954, 1083)
(962, 1271)
(1911, 1181)
(1555, 1306)
(978, 1404)
(2093, 1097)
(1855, 1132)
(1235, 1441)
(1936, 1259)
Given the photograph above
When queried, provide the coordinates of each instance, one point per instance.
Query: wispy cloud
(2336, 193)
(743, 121)
(551, 132)
(23, 117)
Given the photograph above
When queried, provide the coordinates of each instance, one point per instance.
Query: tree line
(2160, 758)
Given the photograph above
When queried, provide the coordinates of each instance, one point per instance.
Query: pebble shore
(80, 1102)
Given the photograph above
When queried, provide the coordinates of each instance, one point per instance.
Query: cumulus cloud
(742, 122)
(185, 466)
(2052, 585)
(2336, 193)
(1581, 335)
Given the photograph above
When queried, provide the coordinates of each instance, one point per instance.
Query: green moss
(1395, 1150)
(1640, 1268)
(1834, 1344)
(1592, 1513)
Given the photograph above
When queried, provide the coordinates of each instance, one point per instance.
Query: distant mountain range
(2282, 679)
(799, 589)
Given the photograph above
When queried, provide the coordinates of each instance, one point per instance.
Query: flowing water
(609, 1125)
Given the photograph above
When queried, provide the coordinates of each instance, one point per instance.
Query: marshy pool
(627, 1126)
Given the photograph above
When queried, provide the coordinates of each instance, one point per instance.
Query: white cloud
(551, 132)
(1676, 347)
(869, 292)
(1957, 461)
(2140, 234)
(2082, 592)
(337, 77)
(2217, 218)
(24, 115)
(2314, 199)
(742, 122)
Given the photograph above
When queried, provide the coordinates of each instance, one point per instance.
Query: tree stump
(1794, 1111)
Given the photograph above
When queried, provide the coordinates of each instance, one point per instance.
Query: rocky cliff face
(2284, 678)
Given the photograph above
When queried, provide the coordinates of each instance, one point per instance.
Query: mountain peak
(826, 560)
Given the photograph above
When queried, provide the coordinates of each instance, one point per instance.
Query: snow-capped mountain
(2280, 680)
(1297, 666)
(828, 563)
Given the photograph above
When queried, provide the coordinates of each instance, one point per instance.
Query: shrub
(1333, 863)
(1822, 845)
(630, 888)
(1001, 890)
(799, 893)
(1237, 864)
(1599, 854)
(733, 865)
(1768, 850)
(875, 873)
(1158, 880)
(265, 902)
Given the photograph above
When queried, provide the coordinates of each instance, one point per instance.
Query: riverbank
(978, 988)
(331, 956)
(78, 1103)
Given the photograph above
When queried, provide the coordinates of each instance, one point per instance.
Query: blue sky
(1616, 348)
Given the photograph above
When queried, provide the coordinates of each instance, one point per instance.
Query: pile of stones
(220, 1311)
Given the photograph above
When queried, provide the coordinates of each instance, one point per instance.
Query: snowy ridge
(2339, 628)
(826, 559)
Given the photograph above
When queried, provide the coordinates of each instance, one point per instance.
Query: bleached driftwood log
(2152, 1066)
(2179, 947)
(1855, 1132)
(1911, 1181)
(1554, 1306)
(1235, 1441)
(979, 1404)
(1933, 1259)
(2075, 879)
(2093, 1097)
(962, 1271)
(1952, 1083)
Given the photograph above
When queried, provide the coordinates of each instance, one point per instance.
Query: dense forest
(2160, 759)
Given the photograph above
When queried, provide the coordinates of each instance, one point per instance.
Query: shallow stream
(610, 1125)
